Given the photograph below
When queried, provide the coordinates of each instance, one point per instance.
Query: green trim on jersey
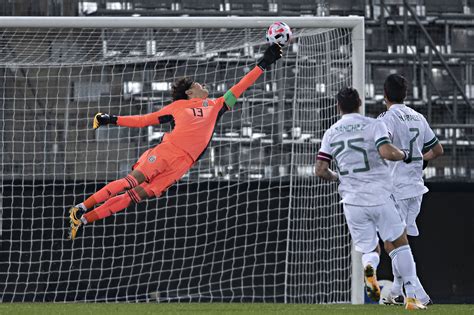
(380, 141)
(230, 99)
(428, 145)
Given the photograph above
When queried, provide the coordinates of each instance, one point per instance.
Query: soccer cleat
(429, 302)
(414, 304)
(393, 300)
(75, 222)
(371, 285)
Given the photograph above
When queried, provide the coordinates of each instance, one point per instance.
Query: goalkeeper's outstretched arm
(272, 54)
(136, 121)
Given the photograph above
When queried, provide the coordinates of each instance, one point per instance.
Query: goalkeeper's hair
(179, 88)
(395, 88)
(348, 100)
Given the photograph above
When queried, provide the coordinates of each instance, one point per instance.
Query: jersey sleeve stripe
(381, 141)
(430, 143)
(324, 157)
(230, 99)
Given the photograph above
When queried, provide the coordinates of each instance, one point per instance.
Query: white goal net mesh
(249, 222)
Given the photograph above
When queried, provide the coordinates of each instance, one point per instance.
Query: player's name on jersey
(409, 117)
(350, 128)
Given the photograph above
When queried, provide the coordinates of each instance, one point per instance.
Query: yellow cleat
(371, 285)
(74, 221)
(96, 124)
(414, 304)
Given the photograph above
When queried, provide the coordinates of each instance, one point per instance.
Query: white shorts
(365, 221)
(409, 209)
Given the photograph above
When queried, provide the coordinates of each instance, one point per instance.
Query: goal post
(249, 222)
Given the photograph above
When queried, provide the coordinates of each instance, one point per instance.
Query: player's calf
(113, 205)
(392, 248)
(131, 181)
(115, 187)
(78, 215)
(405, 265)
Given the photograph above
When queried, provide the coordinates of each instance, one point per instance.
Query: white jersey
(408, 130)
(353, 143)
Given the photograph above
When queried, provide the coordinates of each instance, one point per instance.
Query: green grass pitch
(217, 308)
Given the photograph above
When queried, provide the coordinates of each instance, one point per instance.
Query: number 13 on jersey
(197, 112)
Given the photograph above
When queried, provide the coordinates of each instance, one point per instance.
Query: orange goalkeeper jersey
(194, 120)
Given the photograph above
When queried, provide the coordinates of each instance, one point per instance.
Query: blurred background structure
(434, 50)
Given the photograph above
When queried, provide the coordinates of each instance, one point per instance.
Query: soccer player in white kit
(409, 130)
(358, 145)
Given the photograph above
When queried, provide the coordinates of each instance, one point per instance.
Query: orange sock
(111, 206)
(111, 189)
(90, 202)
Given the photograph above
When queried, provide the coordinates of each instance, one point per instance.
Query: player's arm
(433, 152)
(390, 152)
(385, 147)
(323, 159)
(272, 54)
(323, 171)
(135, 121)
(431, 146)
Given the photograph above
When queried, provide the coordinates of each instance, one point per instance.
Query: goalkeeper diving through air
(193, 117)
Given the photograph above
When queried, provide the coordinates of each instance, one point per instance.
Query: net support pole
(358, 82)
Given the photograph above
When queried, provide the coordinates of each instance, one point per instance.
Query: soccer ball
(279, 33)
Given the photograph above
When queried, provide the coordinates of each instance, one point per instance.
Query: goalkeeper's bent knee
(134, 196)
(126, 183)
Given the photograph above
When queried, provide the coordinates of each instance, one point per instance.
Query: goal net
(249, 222)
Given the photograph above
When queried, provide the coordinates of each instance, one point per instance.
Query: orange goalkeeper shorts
(162, 166)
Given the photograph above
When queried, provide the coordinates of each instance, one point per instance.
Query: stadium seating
(436, 7)
(347, 7)
(462, 39)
